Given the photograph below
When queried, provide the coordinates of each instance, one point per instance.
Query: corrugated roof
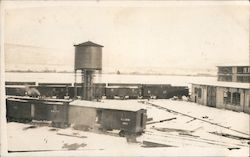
(225, 84)
(115, 105)
(89, 43)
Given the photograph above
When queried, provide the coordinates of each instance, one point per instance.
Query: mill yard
(174, 127)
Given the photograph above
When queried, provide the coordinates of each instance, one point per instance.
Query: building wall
(219, 97)
(244, 103)
(234, 74)
(230, 106)
(247, 101)
(195, 96)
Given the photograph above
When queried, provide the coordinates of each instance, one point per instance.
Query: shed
(229, 95)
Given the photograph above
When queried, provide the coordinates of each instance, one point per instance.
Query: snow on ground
(183, 135)
(175, 80)
(236, 120)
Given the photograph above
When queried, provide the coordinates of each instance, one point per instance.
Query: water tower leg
(75, 86)
(88, 85)
(84, 87)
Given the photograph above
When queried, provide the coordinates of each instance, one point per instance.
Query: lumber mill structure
(230, 91)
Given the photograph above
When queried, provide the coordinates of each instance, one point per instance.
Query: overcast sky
(168, 36)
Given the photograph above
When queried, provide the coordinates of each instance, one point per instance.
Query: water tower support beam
(75, 86)
(87, 85)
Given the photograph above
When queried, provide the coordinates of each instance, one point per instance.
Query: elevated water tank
(88, 56)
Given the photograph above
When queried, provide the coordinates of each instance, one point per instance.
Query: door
(211, 96)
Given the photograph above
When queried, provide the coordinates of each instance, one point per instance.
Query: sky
(135, 37)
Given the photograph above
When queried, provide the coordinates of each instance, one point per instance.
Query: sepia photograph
(125, 78)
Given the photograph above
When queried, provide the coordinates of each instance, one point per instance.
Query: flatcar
(112, 115)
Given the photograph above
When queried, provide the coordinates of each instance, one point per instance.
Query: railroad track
(193, 118)
(180, 140)
(189, 139)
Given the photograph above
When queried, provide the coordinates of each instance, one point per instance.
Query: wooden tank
(88, 56)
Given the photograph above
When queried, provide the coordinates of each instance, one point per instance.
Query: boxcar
(81, 117)
(18, 110)
(128, 122)
(178, 91)
(99, 90)
(160, 91)
(58, 91)
(54, 110)
(127, 118)
(58, 113)
(131, 92)
(26, 108)
(15, 90)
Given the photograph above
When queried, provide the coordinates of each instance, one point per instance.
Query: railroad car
(18, 110)
(27, 108)
(99, 90)
(58, 112)
(178, 91)
(15, 90)
(123, 92)
(54, 90)
(127, 121)
(159, 91)
(110, 115)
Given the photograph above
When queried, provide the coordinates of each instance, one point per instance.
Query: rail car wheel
(138, 133)
(122, 133)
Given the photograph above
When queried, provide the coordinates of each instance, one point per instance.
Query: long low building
(227, 95)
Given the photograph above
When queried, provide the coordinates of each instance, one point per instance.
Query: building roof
(115, 105)
(224, 84)
(233, 65)
(89, 43)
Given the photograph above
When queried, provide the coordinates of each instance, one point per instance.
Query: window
(227, 97)
(236, 98)
(225, 70)
(225, 78)
(240, 70)
(246, 70)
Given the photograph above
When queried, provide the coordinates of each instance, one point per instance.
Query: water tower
(88, 59)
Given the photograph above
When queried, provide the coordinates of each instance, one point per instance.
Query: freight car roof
(18, 100)
(31, 98)
(123, 87)
(115, 105)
